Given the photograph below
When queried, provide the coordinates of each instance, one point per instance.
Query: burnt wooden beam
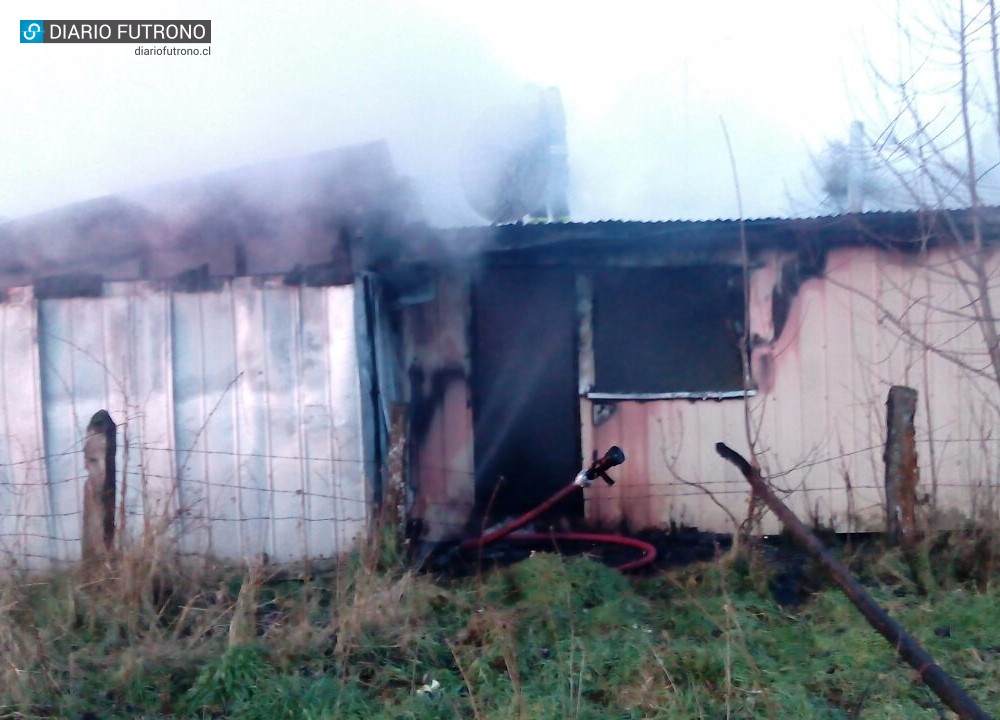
(910, 651)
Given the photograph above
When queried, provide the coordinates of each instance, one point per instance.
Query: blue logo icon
(32, 31)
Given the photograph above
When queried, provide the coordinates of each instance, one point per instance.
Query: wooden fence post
(99, 490)
(901, 472)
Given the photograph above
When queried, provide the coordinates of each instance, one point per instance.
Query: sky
(647, 88)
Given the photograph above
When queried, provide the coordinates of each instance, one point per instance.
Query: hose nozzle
(599, 469)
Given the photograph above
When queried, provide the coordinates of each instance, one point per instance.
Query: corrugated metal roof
(901, 228)
(992, 210)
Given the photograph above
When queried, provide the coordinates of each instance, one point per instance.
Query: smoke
(85, 121)
(643, 97)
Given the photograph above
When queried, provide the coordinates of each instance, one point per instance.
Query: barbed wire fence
(319, 514)
(313, 514)
(234, 502)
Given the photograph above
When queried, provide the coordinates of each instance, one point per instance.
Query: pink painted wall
(441, 465)
(816, 421)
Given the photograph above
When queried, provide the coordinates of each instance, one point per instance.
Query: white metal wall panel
(321, 469)
(269, 421)
(238, 412)
(80, 363)
(146, 422)
(26, 539)
(205, 377)
(105, 353)
(350, 490)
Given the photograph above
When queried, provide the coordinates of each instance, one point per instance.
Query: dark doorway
(525, 405)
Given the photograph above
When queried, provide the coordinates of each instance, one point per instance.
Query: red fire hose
(613, 457)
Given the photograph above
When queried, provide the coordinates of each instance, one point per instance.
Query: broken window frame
(588, 387)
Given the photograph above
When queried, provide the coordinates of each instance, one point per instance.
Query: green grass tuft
(546, 638)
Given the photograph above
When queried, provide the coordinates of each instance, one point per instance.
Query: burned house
(221, 324)
(526, 349)
(257, 335)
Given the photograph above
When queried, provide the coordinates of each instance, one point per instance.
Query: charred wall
(436, 355)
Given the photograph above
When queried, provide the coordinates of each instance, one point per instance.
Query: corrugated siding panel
(331, 442)
(105, 353)
(25, 503)
(80, 363)
(668, 475)
(206, 376)
(148, 462)
(269, 425)
(240, 408)
(958, 413)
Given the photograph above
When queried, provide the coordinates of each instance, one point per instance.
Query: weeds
(546, 638)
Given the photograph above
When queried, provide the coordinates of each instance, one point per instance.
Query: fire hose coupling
(599, 469)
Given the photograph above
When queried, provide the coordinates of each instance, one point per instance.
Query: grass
(547, 638)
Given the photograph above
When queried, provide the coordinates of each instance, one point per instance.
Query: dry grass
(548, 638)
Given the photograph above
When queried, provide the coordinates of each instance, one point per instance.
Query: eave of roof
(905, 229)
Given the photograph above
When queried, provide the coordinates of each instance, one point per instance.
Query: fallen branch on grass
(943, 685)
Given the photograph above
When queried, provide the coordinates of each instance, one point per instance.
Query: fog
(646, 93)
